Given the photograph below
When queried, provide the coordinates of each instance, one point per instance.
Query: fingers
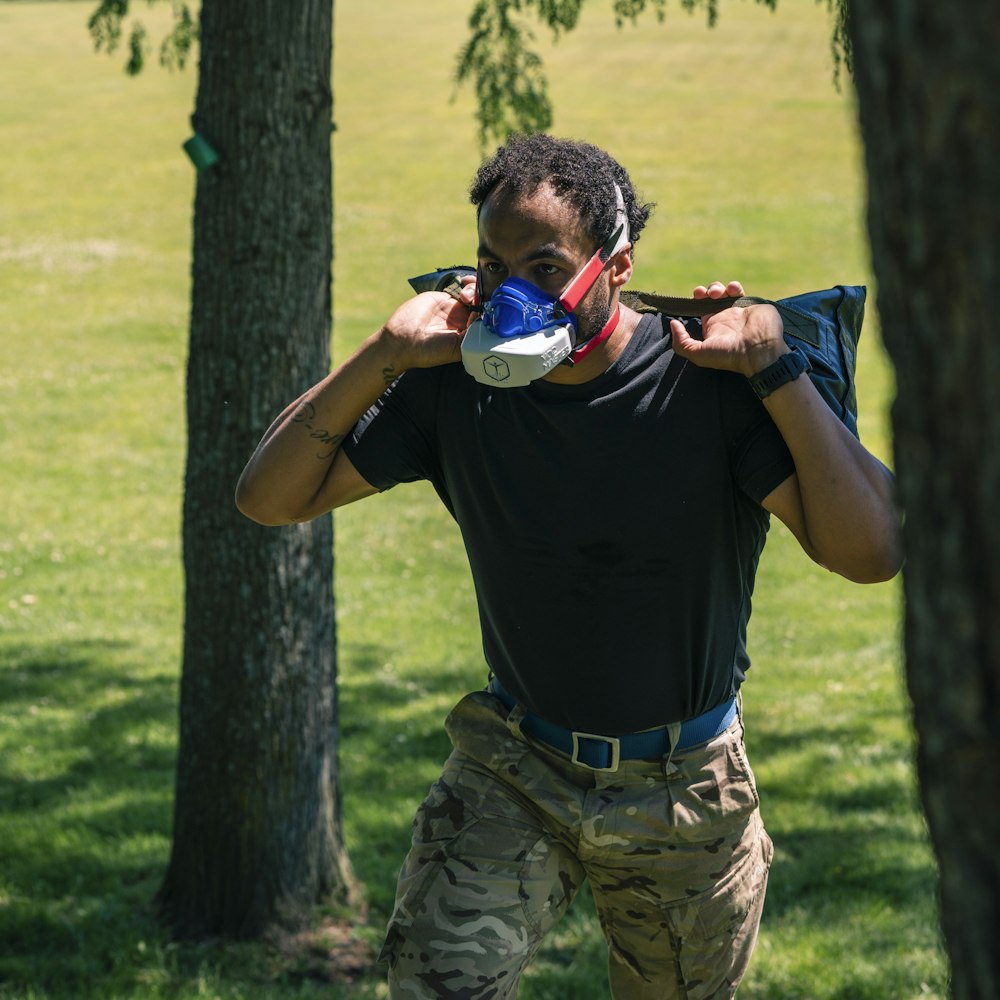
(682, 341)
(717, 290)
(452, 314)
(468, 294)
(429, 313)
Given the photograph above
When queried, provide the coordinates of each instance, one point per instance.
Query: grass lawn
(751, 154)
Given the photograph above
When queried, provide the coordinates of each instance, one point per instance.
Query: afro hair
(579, 172)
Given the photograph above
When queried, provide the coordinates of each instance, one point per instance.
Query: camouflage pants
(674, 850)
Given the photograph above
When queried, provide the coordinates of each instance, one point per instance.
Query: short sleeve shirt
(613, 528)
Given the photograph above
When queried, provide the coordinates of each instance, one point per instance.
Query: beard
(592, 313)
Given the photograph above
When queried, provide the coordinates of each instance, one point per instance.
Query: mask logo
(496, 368)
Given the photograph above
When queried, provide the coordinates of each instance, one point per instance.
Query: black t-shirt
(613, 528)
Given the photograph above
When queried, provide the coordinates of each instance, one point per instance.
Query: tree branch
(509, 78)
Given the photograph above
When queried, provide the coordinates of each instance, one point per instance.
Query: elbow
(874, 555)
(879, 563)
(886, 555)
(886, 566)
(252, 506)
(874, 573)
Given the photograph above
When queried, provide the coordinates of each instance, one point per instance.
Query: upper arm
(343, 485)
(785, 503)
(866, 546)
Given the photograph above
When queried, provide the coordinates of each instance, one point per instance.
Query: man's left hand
(741, 339)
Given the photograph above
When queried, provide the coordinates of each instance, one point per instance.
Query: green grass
(751, 154)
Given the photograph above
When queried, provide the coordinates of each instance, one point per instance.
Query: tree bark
(928, 83)
(257, 838)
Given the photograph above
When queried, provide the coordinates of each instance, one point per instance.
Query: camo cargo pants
(675, 852)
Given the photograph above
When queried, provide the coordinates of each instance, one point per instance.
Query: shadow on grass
(854, 883)
(392, 745)
(85, 820)
(85, 795)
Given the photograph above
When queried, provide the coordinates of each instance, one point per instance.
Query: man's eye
(491, 267)
(547, 270)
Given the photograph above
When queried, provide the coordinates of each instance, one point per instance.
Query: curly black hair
(581, 173)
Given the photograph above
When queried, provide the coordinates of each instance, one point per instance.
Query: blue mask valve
(518, 307)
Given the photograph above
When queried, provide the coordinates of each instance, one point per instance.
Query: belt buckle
(613, 742)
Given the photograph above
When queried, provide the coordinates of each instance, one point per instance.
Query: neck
(609, 328)
(600, 352)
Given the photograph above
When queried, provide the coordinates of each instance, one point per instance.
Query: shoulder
(412, 400)
(648, 343)
(423, 385)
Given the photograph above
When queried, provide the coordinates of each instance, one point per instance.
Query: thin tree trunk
(928, 82)
(257, 837)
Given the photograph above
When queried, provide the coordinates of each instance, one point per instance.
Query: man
(614, 510)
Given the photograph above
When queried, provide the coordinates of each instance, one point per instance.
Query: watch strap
(786, 369)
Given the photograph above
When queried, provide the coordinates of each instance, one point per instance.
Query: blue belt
(602, 753)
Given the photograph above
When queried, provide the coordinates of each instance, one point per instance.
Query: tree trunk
(257, 838)
(928, 82)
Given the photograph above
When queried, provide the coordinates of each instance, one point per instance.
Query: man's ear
(620, 267)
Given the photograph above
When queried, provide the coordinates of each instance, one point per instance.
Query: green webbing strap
(672, 305)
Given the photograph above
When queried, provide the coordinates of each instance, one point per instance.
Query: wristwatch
(786, 369)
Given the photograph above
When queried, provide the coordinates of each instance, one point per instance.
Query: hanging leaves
(507, 74)
(509, 78)
(107, 27)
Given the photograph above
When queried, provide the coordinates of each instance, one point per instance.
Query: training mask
(524, 333)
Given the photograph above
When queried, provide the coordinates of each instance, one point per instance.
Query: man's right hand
(427, 330)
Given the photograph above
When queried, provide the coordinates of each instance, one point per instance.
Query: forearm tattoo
(305, 414)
